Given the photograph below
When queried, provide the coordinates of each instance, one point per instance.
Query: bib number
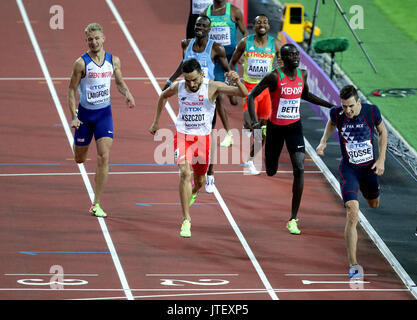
(98, 94)
(360, 152)
(220, 35)
(199, 6)
(257, 68)
(288, 109)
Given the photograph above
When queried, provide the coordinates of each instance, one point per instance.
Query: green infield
(387, 33)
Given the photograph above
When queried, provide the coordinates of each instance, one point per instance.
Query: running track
(240, 248)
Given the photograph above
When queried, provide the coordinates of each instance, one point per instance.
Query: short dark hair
(190, 65)
(204, 17)
(285, 47)
(348, 91)
(260, 15)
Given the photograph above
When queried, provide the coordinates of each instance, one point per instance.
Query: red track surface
(48, 214)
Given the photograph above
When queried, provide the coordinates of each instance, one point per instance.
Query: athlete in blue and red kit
(359, 168)
(91, 75)
(287, 86)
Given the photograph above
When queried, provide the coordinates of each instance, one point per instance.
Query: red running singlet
(286, 98)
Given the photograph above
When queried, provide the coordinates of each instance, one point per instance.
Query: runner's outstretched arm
(162, 100)
(308, 96)
(328, 131)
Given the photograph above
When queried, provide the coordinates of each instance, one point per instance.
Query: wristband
(168, 83)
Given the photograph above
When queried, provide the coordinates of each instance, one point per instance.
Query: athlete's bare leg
(80, 153)
(103, 153)
(185, 189)
(351, 234)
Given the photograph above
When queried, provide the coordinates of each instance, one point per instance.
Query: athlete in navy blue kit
(91, 75)
(359, 168)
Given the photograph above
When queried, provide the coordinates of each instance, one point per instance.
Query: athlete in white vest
(196, 99)
(91, 75)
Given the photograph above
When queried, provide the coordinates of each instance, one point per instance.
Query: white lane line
(196, 290)
(68, 78)
(70, 138)
(173, 117)
(127, 172)
(253, 292)
(52, 274)
(332, 282)
(325, 274)
(190, 275)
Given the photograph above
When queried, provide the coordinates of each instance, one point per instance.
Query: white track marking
(190, 275)
(205, 289)
(332, 282)
(127, 172)
(173, 117)
(70, 138)
(68, 78)
(325, 274)
(52, 274)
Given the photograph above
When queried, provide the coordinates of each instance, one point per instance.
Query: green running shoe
(193, 197)
(292, 226)
(186, 229)
(263, 130)
(95, 210)
(227, 141)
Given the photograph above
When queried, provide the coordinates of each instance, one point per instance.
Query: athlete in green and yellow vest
(258, 61)
(259, 51)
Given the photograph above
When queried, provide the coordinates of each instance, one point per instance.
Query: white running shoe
(247, 132)
(209, 184)
(251, 167)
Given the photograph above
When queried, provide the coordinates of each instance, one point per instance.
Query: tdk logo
(193, 109)
(97, 87)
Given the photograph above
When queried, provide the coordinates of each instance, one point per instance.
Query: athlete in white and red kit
(287, 86)
(197, 104)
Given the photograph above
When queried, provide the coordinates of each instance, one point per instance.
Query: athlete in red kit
(287, 86)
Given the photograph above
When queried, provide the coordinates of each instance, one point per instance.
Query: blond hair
(93, 27)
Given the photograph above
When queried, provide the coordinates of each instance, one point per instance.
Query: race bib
(97, 94)
(205, 71)
(360, 152)
(199, 6)
(288, 109)
(257, 68)
(221, 35)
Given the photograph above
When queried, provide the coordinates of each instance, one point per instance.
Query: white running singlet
(196, 112)
(94, 87)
